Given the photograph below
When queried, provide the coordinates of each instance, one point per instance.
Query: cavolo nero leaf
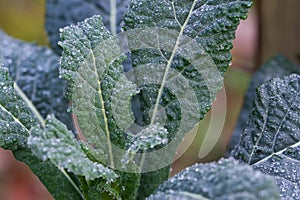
(61, 13)
(16, 120)
(35, 70)
(54, 142)
(270, 141)
(183, 49)
(91, 64)
(277, 66)
(225, 179)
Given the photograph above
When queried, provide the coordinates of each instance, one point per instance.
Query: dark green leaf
(271, 140)
(183, 49)
(61, 13)
(35, 70)
(226, 179)
(15, 117)
(16, 120)
(278, 66)
(54, 179)
(56, 143)
(128, 184)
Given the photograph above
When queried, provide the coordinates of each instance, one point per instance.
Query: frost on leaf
(226, 179)
(186, 51)
(278, 66)
(16, 120)
(57, 144)
(15, 117)
(35, 70)
(145, 141)
(92, 65)
(270, 141)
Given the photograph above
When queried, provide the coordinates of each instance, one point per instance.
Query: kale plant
(133, 91)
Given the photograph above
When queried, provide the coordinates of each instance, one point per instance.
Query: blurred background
(271, 28)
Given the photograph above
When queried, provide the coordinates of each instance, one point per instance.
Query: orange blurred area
(24, 19)
(17, 181)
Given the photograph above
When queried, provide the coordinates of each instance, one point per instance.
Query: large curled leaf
(278, 66)
(91, 63)
(226, 179)
(16, 120)
(61, 13)
(35, 70)
(181, 49)
(100, 94)
(56, 143)
(271, 140)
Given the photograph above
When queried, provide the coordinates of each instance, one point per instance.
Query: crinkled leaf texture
(16, 120)
(277, 66)
(35, 70)
(91, 64)
(61, 13)
(100, 94)
(226, 179)
(185, 52)
(56, 143)
(271, 140)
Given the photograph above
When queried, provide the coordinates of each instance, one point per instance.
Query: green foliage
(54, 142)
(173, 25)
(16, 121)
(179, 51)
(278, 66)
(35, 70)
(226, 179)
(271, 140)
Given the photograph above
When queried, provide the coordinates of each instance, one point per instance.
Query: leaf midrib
(103, 111)
(169, 63)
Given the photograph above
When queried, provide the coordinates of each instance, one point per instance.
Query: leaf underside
(277, 66)
(226, 179)
(35, 70)
(61, 13)
(270, 141)
(171, 26)
(15, 122)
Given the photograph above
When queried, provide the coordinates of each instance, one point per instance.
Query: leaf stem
(70, 180)
(29, 104)
(113, 18)
(42, 121)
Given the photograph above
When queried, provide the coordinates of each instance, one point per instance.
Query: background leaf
(15, 122)
(270, 141)
(211, 26)
(226, 179)
(277, 66)
(35, 70)
(61, 13)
